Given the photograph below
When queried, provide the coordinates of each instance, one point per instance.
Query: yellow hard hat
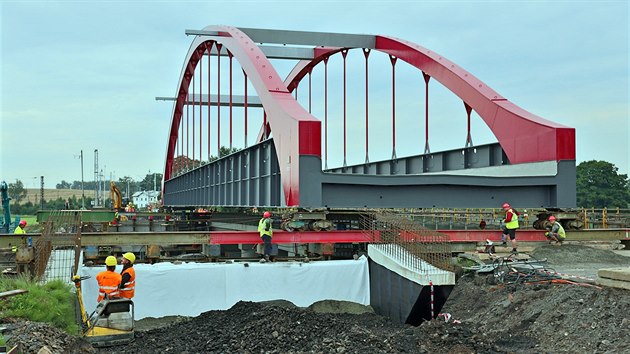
(130, 257)
(110, 261)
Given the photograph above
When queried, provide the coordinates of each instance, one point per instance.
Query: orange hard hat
(266, 214)
(506, 206)
(552, 218)
(23, 223)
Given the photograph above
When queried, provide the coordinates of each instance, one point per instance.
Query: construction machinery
(116, 197)
(4, 225)
(111, 323)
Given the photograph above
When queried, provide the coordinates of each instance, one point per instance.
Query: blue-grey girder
(474, 177)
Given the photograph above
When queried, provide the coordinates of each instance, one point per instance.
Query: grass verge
(51, 303)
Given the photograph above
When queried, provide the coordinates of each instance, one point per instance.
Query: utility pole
(82, 189)
(96, 182)
(41, 201)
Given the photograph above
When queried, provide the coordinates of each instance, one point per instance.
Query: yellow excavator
(115, 195)
(112, 323)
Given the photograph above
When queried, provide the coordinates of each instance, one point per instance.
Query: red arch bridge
(232, 82)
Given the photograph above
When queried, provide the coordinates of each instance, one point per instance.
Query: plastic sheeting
(188, 289)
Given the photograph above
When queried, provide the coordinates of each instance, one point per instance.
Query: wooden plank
(12, 293)
(622, 274)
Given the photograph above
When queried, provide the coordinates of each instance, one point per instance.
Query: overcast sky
(83, 75)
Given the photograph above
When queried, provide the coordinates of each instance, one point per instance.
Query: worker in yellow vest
(266, 232)
(556, 231)
(511, 224)
(19, 230)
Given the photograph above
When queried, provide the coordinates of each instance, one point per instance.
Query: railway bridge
(231, 79)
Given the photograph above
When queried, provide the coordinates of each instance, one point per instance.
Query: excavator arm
(115, 196)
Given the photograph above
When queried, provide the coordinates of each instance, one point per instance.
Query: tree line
(17, 192)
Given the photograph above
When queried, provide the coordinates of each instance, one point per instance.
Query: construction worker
(128, 280)
(19, 230)
(108, 280)
(511, 224)
(264, 228)
(556, 231)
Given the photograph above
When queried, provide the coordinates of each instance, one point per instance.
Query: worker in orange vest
(128, 280)
(108, 280)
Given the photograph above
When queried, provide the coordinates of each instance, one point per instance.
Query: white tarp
(188, 289)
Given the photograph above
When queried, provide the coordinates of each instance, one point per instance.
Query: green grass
(51, 303)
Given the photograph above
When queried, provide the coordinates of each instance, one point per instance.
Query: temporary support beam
(237, 100)
(301, 38)
(311, 38)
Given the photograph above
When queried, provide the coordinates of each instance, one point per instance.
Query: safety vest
(108, 282)
(262, 225)
(18, 231)
(512, 224)
(559, 230)
(128, 289)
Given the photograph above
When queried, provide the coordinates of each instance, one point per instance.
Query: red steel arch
(295, 131)
(523, 136)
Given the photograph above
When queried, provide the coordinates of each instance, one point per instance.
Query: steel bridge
(532, 163)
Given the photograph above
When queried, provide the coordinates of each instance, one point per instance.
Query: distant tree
(127, 186)
(224, 151)
(599, 185)
(63, 185)
(16, 191)
(182, 164)
(149, 180)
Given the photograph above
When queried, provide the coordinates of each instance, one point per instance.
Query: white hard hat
(488, 242)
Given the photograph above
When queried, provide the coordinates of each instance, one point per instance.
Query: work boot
(504, 243)
(266, 258)
(514, 250)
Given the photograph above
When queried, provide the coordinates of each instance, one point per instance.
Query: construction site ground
(483, 317)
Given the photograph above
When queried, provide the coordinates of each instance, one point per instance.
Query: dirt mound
(260, 328)
(333, 306)
(31, 337)
(567, 254)
(544, 317)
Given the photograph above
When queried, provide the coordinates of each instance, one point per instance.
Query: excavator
(116, 197)
(111, 323)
